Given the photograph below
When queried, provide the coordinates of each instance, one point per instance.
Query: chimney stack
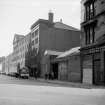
(50, 17)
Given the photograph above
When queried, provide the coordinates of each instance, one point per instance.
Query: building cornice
(89, 1)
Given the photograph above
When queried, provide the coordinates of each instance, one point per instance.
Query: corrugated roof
(51, 52)
(69, 52)
(64, 26)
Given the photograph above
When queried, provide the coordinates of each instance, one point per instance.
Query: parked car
(24, 73)
(12, 74)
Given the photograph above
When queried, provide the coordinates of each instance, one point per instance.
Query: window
(90, 10)
(89, 34)
(33, 42)
(92, 34)
(36, 32)
(36, 41)
(87, 12)
(33, 35)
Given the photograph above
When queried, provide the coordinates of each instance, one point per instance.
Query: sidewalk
(56, 82)
(68, 84)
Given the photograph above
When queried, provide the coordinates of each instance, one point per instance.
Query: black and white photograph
(52, 52)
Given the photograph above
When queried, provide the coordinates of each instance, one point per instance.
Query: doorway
(55, 70)
(98, 73)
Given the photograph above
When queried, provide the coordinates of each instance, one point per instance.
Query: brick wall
(74, 73)
(56, 39)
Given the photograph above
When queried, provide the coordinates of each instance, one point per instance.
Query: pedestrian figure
(52, 75)
(46, 76)
(36, 74)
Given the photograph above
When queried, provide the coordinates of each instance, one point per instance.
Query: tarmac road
(24, 92)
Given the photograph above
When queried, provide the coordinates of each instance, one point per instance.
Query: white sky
(16, 16)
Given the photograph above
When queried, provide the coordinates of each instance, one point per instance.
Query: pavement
(68, 84)
(54, 82)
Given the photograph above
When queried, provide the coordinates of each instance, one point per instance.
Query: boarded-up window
(87, 69)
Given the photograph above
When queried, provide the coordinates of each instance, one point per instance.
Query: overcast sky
(16, 16)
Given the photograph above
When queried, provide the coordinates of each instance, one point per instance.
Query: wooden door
(98, 73)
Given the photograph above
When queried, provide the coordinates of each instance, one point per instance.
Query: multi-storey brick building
(2, 64)
(20, 48)
(17, 39)
(50, 35)
(7, 65)
(93, 41)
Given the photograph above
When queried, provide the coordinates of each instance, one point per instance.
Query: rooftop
(51, 52)
(72, 51)
(61, 25)
(18, 37)
(58, 25)
(39, 21)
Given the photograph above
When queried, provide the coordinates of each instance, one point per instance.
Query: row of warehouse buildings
(70, 54)
(38, 49)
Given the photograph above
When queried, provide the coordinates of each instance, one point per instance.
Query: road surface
(25, 92)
